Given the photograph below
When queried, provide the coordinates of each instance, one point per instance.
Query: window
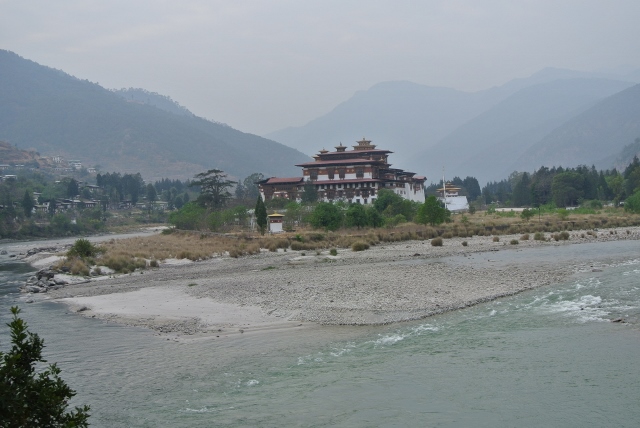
(331, 173)
(359, 172)
(342, 172)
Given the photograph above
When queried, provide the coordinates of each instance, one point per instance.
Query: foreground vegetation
(132, 254)
(29, 398)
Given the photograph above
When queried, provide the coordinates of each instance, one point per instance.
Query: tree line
(564, 187)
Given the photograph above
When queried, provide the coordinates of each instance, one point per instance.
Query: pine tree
(27, 203)
(261, 215)
(28, 398)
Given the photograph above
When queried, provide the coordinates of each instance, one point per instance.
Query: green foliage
(526, 214)
(374, 218)
(190, 217)
(214, 188)
(27, 203)
(29, 398)
(437, 242)
(333, 252)
(432, 212)
(632, 204)
(326, 216)
(83, 248)
(356, 216)
(261, 215)
(309, 192)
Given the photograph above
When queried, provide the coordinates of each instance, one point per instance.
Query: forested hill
(57, 114)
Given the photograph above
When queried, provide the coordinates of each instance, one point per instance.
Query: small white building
(452, 199)
(275, 222)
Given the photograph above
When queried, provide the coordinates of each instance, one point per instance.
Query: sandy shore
(387, 283)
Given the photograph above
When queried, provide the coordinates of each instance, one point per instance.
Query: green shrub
(83, 248)
(333, 252)
(524, 237)
(496, 239)
(538, 236)
(359, 246)
(464, 243)
(436, 242)
(514, 242)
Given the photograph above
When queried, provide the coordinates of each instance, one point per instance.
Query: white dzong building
(355, 176)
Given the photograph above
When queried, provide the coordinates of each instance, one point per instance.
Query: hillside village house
(351, 175)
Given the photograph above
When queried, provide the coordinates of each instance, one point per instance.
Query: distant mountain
(626, 155)
(403, 117)
(57, 114)
(418, 122)
(595, 136)
(487, 146)
(163, 102)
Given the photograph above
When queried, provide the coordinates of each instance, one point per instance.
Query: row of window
(347, 186)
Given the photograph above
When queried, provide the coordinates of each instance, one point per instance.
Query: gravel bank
(387, 283)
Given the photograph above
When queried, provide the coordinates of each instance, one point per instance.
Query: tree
(261, 215)
(250, 185)
(432, 212)
(521, 191)
(632, 204)
(72, 188)
(27, 203)
(240, 192)
(326, 216)
(356, 216)
(567, 187)
(374, 218)
(526, 214)
(52, 206)
(152, 195)
(309, 192)
(30, 399)
(214, 188)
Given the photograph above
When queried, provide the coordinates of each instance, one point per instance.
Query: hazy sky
(263, 65)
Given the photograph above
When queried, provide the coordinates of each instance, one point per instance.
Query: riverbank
(388, 283)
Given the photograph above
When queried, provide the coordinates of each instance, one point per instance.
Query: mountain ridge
(56, 113)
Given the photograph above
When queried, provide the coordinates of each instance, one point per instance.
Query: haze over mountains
(57, 114)
(486, 134)
(554, 117)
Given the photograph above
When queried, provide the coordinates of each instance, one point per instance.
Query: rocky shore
(391, 282)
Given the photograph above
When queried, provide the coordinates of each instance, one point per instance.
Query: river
(546, 357)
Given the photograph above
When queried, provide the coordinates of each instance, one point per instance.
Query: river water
(548, 357)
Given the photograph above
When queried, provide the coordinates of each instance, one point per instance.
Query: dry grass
(126, 255)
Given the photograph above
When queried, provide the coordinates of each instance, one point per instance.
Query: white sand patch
(170, 303)
(174, 262)
(44, 262)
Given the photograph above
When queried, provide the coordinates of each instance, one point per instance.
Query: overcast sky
(263, 65)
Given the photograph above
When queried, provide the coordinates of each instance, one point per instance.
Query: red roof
(341, 162)
(355, 152)
(276, 180)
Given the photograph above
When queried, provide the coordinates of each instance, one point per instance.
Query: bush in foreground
(30, 399)
(437, 242)
(359, 246)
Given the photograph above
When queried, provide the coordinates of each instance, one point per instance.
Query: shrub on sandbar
(359, 246)
(436, 242)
